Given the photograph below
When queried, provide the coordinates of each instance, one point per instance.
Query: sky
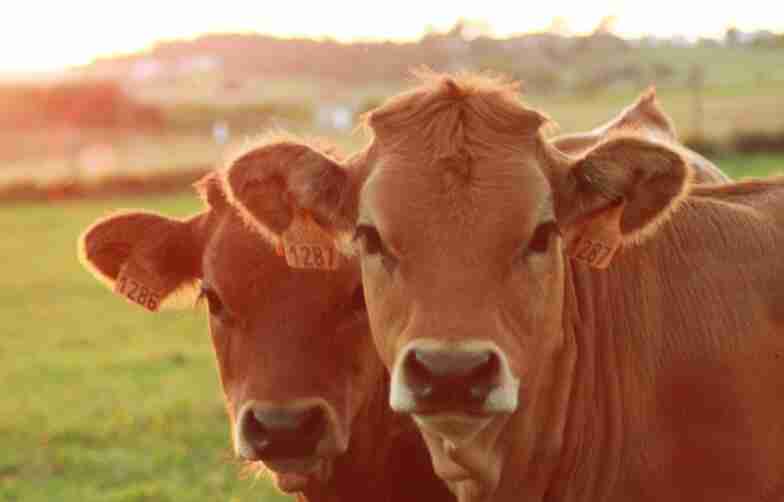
(45, 35)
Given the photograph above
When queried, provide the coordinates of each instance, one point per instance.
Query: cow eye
(214, 302)
(358, 300)
(540, 240)
(370, 239)
(371, 243)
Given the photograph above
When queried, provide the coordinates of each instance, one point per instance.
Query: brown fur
(283, 334)
(453, 116)
(658, 378)
(645, 117)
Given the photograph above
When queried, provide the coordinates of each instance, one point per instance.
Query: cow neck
(591, 443)
(386, 459)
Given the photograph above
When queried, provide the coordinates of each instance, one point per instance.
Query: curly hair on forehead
(468, 114)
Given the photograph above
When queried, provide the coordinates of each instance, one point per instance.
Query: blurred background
(124, 106)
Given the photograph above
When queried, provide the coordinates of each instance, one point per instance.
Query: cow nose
(274, 432)
(451, 376)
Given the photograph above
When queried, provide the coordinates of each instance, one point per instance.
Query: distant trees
(547, 62)
(96, 104)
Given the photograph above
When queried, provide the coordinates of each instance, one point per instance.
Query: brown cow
(646, 117)
(534, 373)
(304, 388)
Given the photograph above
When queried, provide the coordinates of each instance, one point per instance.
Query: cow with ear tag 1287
(564, 327)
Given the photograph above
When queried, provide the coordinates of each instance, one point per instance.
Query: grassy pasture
(102, 401)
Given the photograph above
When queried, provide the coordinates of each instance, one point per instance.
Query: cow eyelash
(214, 302)
(358, 300)
(372, 244)
(540, 240)
(370, 239)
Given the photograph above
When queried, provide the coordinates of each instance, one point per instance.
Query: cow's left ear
(616, 193)
(151, 260)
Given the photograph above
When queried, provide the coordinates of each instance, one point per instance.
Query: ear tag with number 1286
(306, 245)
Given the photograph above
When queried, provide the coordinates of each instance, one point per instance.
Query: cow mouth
(296, 474)
(454, 428)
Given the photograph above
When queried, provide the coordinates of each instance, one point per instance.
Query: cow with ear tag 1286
(564, 327)
(305, 392)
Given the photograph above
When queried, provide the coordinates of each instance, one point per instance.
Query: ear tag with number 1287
(306, 245)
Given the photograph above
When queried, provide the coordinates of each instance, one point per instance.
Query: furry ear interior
(273, 184)
(151, 260)
(619, 192)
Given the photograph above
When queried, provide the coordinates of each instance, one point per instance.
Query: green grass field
(102, 401)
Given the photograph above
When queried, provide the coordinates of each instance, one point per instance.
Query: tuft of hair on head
(445, 115)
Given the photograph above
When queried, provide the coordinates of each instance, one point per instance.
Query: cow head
(292, 345)
(466, 221)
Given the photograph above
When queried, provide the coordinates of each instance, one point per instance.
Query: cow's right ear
(619, 192)
(149, 259)
(272, 185)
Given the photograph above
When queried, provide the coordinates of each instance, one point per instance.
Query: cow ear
(643, 116)
(619, 192)
(149, 259)
(271, 186)
(647, 115)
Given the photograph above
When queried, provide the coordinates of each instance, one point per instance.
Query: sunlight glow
(45, 35)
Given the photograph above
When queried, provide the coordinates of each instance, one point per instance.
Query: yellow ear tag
(307, 245)
(596, 238)
(137, 291)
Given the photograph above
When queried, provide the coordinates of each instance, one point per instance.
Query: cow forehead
(499, 200)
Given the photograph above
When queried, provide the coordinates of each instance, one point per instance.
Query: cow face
(294, 353)
(292, 345)
(467, 223)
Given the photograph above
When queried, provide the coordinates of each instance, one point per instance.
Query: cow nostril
(313, 423)
(254, 433)
(282, 432)
(487, 369)
(484, 378)
(417, 373)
